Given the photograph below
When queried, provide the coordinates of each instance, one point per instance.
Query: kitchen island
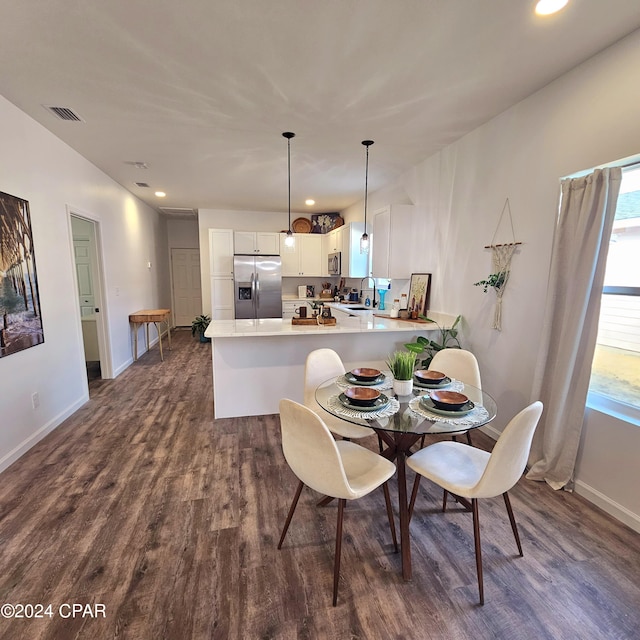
(258, 362)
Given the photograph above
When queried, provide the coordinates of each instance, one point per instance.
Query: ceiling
(201, 90)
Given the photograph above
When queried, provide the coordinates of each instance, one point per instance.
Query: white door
(187, 294)
(86, 293)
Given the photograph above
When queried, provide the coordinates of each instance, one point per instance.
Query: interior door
(86, 294)
(187, 292)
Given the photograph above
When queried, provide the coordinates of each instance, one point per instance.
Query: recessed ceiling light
(309, 202)
(161, 194)
(547, 7)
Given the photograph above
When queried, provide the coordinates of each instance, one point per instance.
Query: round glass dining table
(401, 423)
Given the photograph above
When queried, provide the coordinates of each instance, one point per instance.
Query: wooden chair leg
(512, 520)
(414, 493)
(469, 439)
(291, 510)
(380, 444)
(392, 524)
(336, 563)
(445, 493)
(476, 537)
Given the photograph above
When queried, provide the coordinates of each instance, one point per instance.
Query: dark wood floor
(143, 503)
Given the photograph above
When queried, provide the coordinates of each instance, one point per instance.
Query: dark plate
(425, 385)
(427, 403)
(381, 402)
(365, 374)
(351, 379)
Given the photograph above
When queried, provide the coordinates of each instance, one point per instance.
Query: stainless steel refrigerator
(257, 286)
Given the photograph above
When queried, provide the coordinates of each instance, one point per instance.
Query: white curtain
(570, 328)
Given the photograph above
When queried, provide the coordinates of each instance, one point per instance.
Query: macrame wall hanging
(501, 259)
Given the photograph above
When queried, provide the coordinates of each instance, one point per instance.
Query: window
(615, 375)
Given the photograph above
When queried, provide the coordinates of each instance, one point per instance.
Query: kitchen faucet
(374, 289)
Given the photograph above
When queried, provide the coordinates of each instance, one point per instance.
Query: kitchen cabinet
(221, 268)
(258, 242)
(332, 241)
(391, 229)
(346, 240)
(304, 258)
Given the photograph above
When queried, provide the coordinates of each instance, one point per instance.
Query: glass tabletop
(408, 413)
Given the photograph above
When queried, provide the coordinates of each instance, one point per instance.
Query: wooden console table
(146, 317)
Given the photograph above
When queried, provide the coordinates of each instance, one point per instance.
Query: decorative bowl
(429, 376)
(365, 374)
(448, 400)
(362, 396)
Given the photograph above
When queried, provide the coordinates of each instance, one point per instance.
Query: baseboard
(609, 506)
(34, 438)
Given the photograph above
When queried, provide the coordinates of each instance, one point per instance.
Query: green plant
(447, 339)
(401, 364)
(495, 280)
(199, 325)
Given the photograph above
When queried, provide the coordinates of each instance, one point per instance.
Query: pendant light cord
(367, 144)
(288, 135)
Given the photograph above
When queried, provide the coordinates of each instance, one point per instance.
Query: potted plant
(495, 280)
(401, 364)
(447, 339)
(199, 326)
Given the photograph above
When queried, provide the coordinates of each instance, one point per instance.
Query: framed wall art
(20, 317)
(419, 292)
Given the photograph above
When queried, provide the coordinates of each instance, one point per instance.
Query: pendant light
(364, 240)
(289, 241)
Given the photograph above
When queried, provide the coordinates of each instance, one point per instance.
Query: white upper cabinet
(332, 241)
(391, 232)
(304, 258)
(259, 242)
(221, 252)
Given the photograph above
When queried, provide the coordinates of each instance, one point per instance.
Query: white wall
(182, 233)
(37, 166)
(586, 118)
(238, 221)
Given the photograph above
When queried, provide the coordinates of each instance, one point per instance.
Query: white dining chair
(462, 365)
(321, 365)
(469, 473)
(341, 469)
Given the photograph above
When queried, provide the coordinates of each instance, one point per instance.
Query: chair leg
(414, 493)
(380, 444)
(291, 510)
(512, 520)
(336, 563)
(469, 439)
(392, 524)
(445, 493)
(476, 537)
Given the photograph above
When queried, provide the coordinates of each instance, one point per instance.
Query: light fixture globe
(364, 239)
(289, 241)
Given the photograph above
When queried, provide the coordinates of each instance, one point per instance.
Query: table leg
(146, 324)
(136, 326)
(157, 325)
(404, 515)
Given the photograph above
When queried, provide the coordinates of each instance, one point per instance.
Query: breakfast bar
(258, 362)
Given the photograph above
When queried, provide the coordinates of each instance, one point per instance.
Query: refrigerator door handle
(257, 291)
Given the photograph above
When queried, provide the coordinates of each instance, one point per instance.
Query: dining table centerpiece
(401, 365)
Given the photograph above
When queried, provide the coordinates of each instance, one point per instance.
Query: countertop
(360, 322)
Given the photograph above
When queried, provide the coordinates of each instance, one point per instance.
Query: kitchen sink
(358, 307)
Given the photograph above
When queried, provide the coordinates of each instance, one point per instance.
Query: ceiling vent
(144, 185)
(138, 164)
(64, 113)
(178, 211)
